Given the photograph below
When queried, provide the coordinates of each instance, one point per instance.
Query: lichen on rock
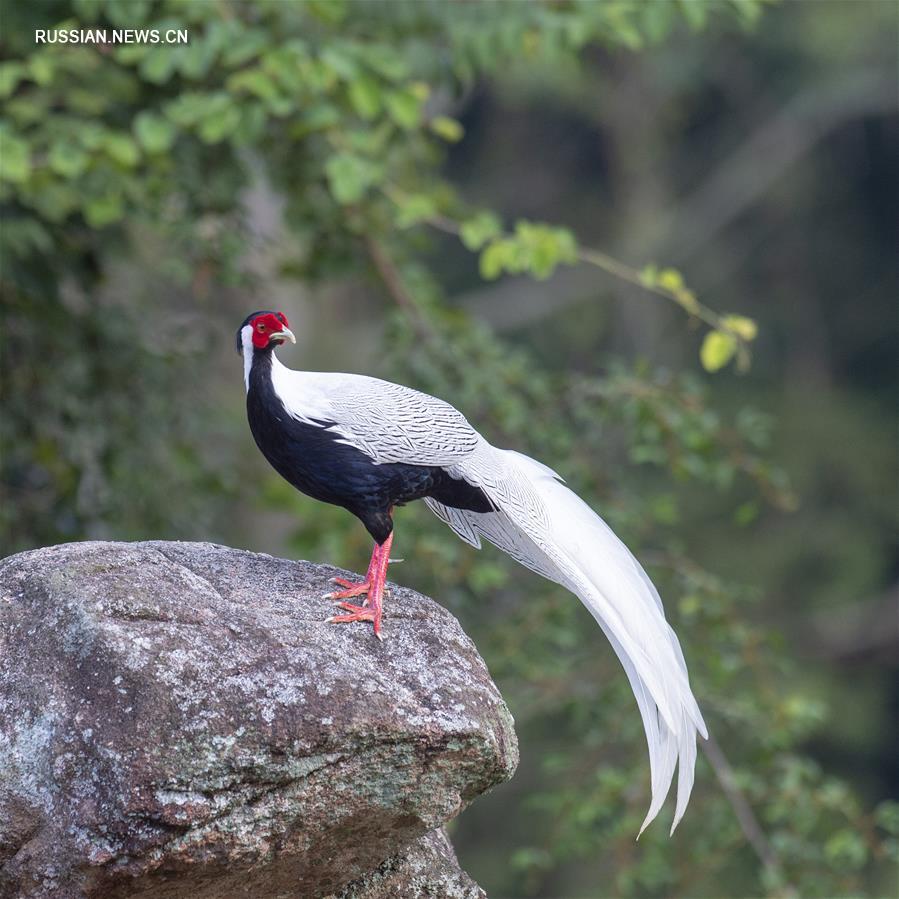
(177, 719)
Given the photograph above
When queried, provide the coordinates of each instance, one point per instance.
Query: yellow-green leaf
(449, 129)
(404, 108)
(671, 279)
(493, 259)
(717, 350)
(741, 325)
(479, 229)
(687, 300)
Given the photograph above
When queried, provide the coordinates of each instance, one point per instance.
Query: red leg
(354, 588)
(374, 586)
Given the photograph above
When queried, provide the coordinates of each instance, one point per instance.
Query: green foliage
(355, 111)
(533, 249)
(145, 152)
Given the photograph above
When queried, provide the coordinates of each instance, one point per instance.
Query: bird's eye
(260, 327)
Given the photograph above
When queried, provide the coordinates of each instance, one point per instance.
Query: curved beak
(283, 335)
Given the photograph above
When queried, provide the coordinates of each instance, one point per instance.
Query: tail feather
(568, 543)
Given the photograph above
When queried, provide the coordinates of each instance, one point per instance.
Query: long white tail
(542, 524)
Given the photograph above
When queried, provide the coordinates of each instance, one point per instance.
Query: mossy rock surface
(177, 719)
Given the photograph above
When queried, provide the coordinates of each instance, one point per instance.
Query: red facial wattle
(265, 325)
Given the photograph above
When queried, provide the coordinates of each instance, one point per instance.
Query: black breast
(311, 457)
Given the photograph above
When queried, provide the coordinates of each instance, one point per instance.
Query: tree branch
(612, 266)
(745, 816)
(393, 280)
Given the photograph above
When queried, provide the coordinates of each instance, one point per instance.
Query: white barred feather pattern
(541, 524)
(388, 422)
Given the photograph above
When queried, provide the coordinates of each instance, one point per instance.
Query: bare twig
(393, 280)
(745, 816)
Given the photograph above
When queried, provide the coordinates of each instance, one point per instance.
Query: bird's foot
(351, 589)
(358, 613)
(373, 587)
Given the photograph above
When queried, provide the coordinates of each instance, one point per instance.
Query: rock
(427, 867)
(177, 719)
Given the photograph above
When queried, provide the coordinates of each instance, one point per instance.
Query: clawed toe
(350, 607)
(351, 589)
(357, 613)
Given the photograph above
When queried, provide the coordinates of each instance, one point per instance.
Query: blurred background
(320, 158)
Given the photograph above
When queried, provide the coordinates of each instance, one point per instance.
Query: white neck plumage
(247, 348)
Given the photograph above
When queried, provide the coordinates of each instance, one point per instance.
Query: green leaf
(67, 159)
(253, 81)
(846, 849)
(350, 176)
(449, 129)
(197, 57)
(414, 209)
(494, 259)
(365, 96)
(55, 200)
(279, 105)
(670, 279)
(887, 816)
(221, 120)
(158, 65)
(746, 513)
(368, 141)
(128, 13)
(103, 210)
(129, 54)
(188, 109)
(40, 68)
(385, 61)
(745, 327)
(11, 73)
(154, 133)
(122, 149)
(91, 136)
(339, 61)
(253, 120)
(687, 300)
(483, 227)
(695, 13)
(246, 44)
(540, 248)
(717, 350)
(404, 107)
(15, 159)
(315, 118)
